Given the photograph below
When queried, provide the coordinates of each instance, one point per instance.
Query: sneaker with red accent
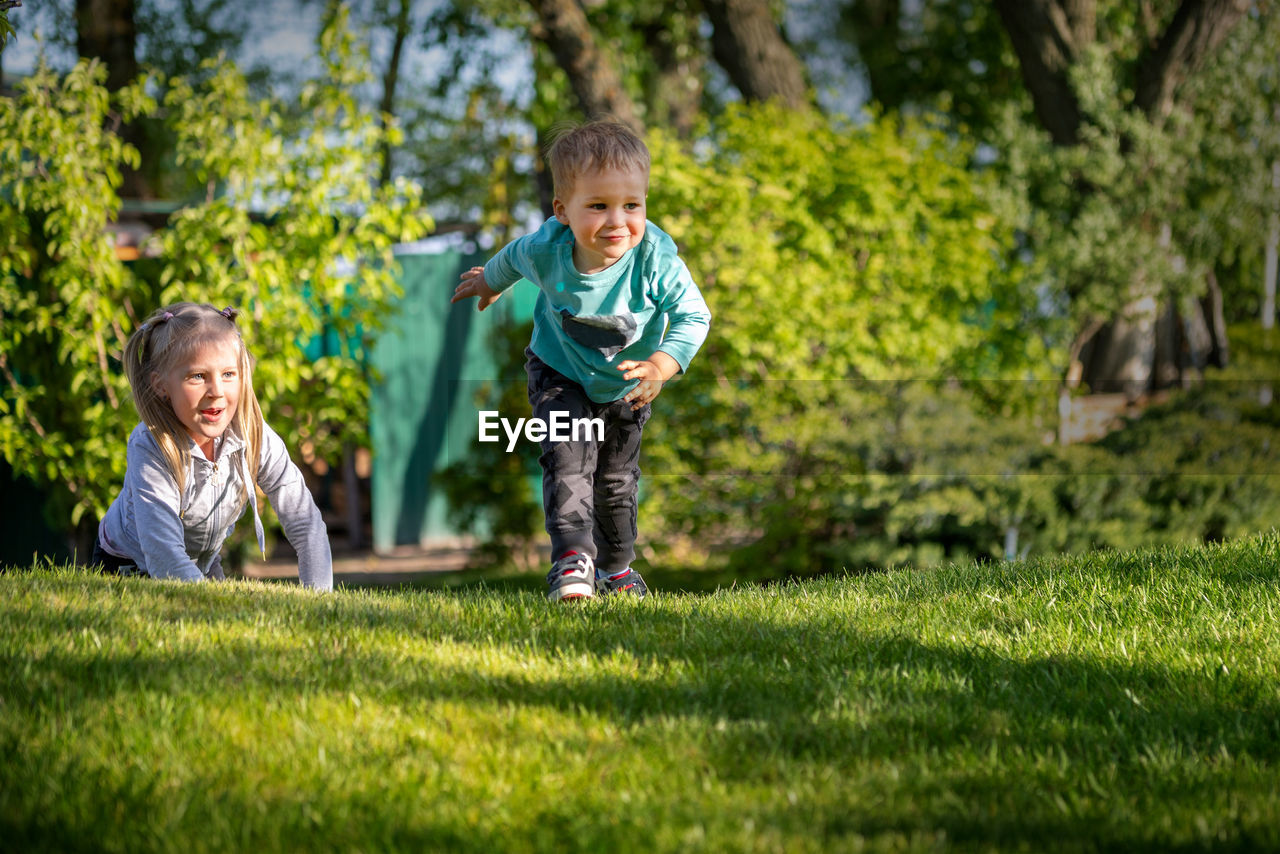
(628, 581)
(572, 577)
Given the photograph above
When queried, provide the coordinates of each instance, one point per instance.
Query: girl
(195, 458)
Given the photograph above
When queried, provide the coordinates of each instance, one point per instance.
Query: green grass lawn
(1122, 702)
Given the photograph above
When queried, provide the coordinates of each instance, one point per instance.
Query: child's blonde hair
(604, 144)
(169, 336)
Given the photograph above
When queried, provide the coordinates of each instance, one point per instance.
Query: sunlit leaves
(293, 228)
(64, 297)
(300, 237)
(841, 263)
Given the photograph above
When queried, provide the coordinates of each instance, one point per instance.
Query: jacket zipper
(214, 515)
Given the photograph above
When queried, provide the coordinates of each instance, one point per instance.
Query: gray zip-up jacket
(172, 536)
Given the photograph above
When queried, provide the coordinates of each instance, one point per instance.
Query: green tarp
(431, 357)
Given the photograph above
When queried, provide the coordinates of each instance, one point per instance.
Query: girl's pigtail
(144, 354)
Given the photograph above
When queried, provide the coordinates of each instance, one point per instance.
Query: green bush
(853, 272)
(293, 229)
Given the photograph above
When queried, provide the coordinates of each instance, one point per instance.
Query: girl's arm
(155, 507)
(282, 481)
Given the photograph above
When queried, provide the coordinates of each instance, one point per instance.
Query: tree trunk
(1271, 266)
(1120, 358)
(389, 81)
(748, 44)
(105, 30)
(386, 110)
(80, 540)
(594, 78)
(877, 30)
(1185, 343)
(1197, 28)
(351, 490)
(1215, 316)
(1048, 36)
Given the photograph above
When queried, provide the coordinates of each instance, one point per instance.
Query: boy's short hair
(603, 144)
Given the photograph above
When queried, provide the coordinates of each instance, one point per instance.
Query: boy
(618, 315)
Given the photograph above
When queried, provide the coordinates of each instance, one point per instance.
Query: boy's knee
(621, 482)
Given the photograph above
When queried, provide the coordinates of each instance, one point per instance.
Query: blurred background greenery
(987, 279)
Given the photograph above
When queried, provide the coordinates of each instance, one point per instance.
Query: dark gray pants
(589, 488)
(110, 564)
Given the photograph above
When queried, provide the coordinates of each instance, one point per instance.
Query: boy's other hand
(651, 376)
(474, 285)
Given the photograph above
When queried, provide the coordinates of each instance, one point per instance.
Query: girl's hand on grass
(474, 285)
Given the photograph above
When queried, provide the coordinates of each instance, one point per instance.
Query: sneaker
(628, 581)
(572, 577)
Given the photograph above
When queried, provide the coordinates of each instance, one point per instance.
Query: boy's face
(605, 210)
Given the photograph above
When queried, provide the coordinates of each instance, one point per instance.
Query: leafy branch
(18, 391)
(6, 28)
(67, 302)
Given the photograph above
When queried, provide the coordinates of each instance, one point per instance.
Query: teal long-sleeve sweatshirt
(584, 325)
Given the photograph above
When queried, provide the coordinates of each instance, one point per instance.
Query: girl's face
(605, 210)
(204, 391)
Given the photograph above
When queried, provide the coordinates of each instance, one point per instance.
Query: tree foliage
(7, 30)
(1229, 199)
(65, 298)
(1142, 206)
(468, 138)
(293, 230)
(315, 259)
(845, 267)
(949, 56)
(874, 389)
(173, 37)
(1097, 111)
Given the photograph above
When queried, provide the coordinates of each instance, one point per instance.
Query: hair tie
(168, 315)
(229, 313)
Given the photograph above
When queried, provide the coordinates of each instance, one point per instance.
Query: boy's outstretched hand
(653, 372)
(474, 285)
